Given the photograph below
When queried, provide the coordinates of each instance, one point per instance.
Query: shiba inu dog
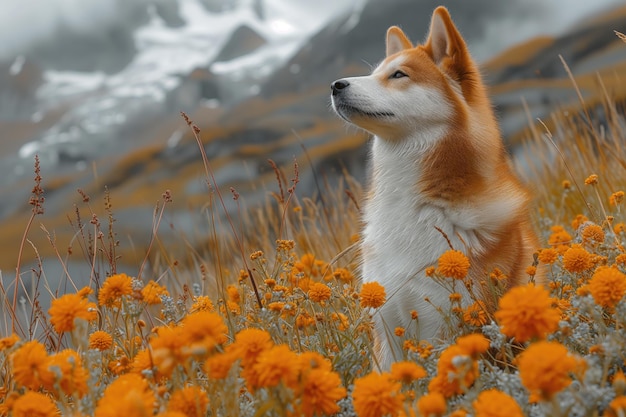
(439, 176)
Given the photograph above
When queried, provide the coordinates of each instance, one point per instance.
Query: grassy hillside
(267, 318)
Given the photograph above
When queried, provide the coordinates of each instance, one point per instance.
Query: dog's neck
(396, 163)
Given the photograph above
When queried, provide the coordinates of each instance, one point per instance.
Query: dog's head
(415, 86)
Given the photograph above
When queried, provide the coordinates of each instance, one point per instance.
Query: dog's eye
(398, 74)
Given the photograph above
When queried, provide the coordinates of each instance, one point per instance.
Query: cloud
(24, 24)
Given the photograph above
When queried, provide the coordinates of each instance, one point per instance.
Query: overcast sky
(24, 22)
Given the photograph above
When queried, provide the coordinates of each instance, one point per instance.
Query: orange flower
(494, 403)
(192, 401)
(309, 266)
(583, 290)
(308, 260)
(167, 349)
(233, 294)
(100, 340)
(621, 260)
(152, 293)
(424, 349)
(456, 372)
(399, 331)
(142, 362)
(34, 404)
(319, 292)
(372, 295)
(201, 303)
(114, 288)
(129, 395)
(475, 314)
(249, 343)
(616, 198)
(591, 179)
(275, 365)
(248, 346)
(231, 307)
(303, 320)
(376, 395)
(544, 369)
(8, 342)
(69, 372)
(526, 312)
(218, 366)
(579, 220)
(531, 270)
(406, 372)
(497, 275)
(607, 286)
(342, 319)
(120, 365)
(30, 365)
(276, 306)
(547, 256)
(617, 407)
(319, 392)
(473, 344)
(285, 245)
(432, 404)
(453, 264)
(64, 310)
(202, 331)
(592, 234)
(559, 238)
(455, 297)
(343, 275)
(619, 228)
(576, 259)
(244, 275)
(619, 381)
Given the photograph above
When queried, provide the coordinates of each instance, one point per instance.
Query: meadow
(269, 318)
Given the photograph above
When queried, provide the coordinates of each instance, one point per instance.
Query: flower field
(272, 320)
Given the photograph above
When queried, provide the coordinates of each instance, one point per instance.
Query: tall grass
(266, 317)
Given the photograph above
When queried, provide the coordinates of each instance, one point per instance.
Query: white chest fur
(401, 240)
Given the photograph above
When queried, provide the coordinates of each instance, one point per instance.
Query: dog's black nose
(339, 85)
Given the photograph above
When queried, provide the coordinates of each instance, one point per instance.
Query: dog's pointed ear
(444, 39)
(448, 50)
(397, 41)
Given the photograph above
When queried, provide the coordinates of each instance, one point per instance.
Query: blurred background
(95, 89)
